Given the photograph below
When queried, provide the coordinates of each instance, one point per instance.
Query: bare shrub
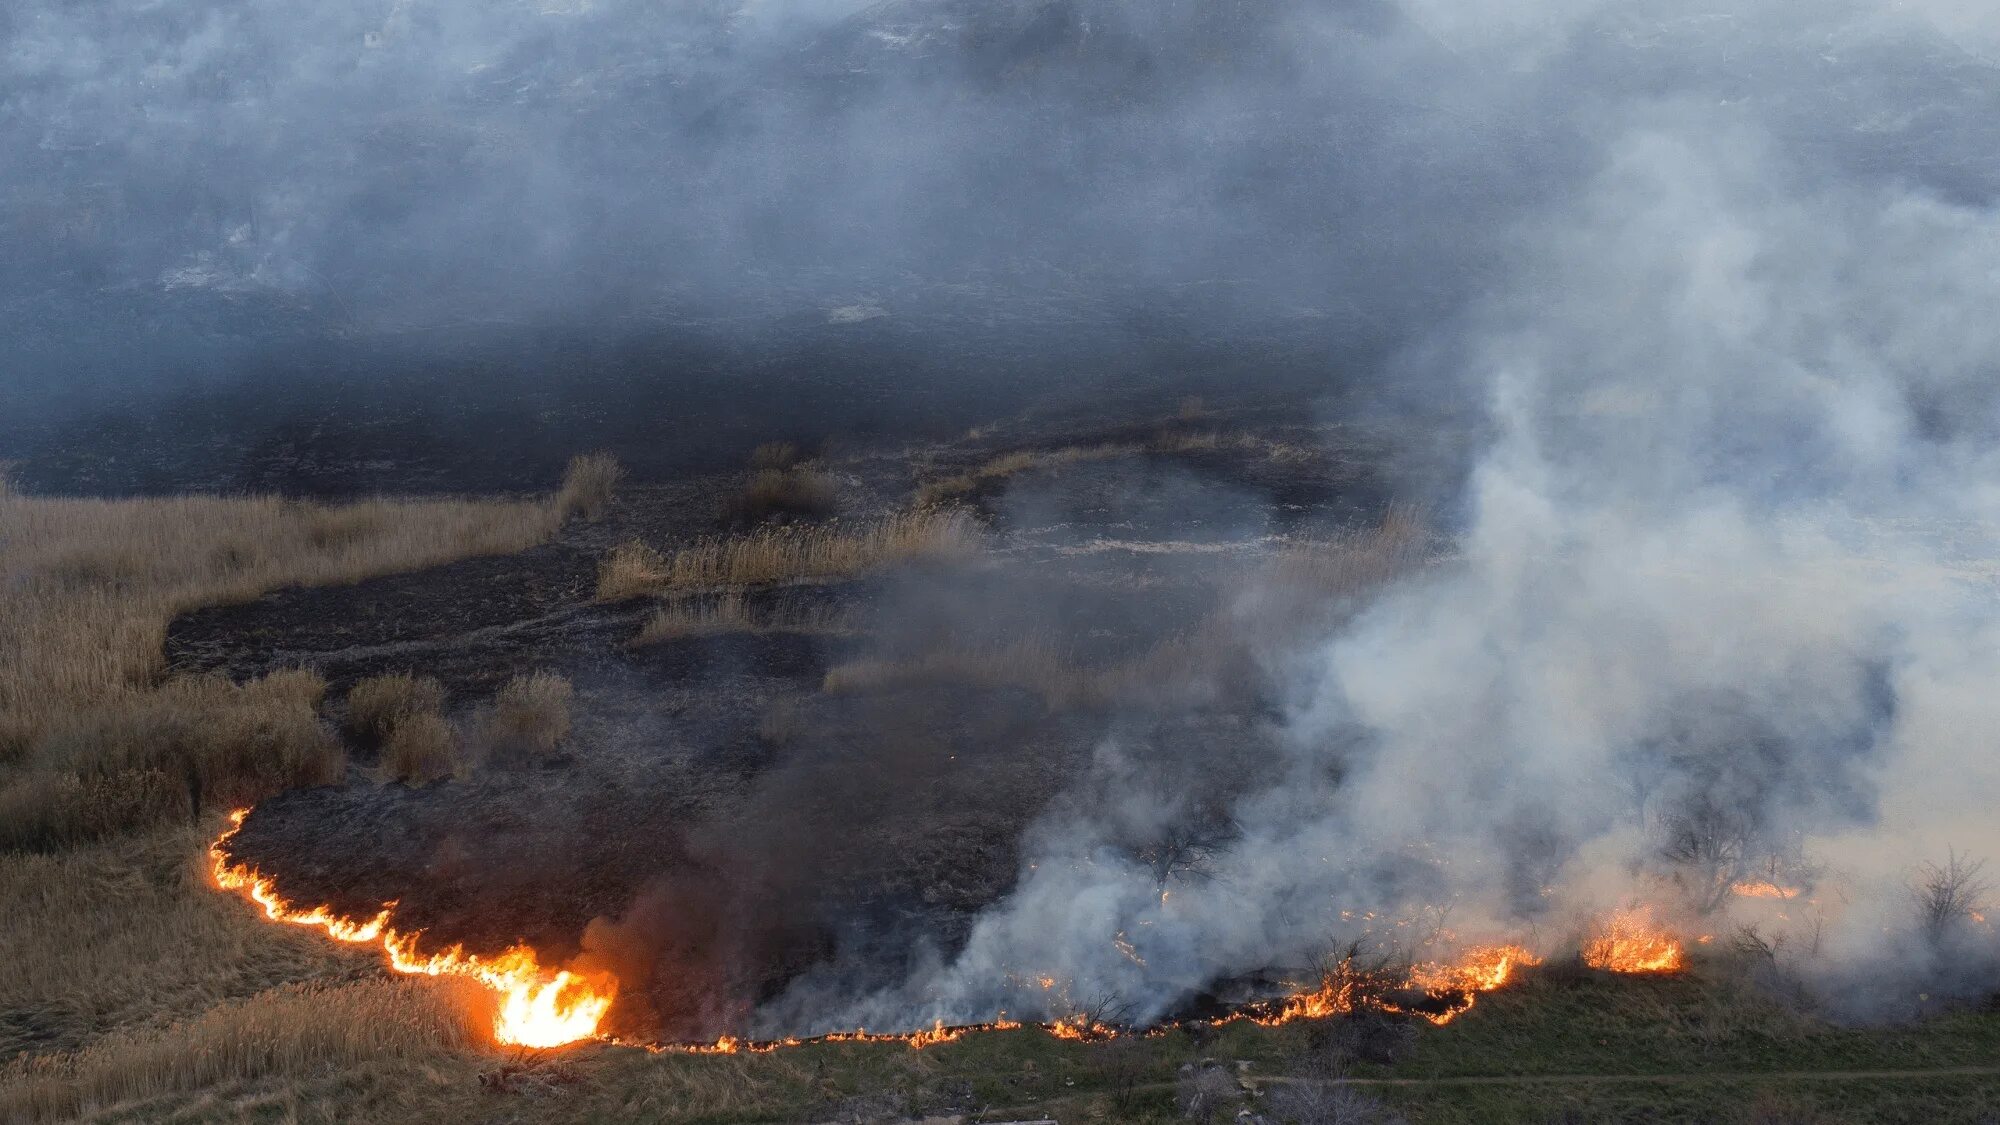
(290, 1031)
(421, 749)
(797, 491)
(588, 485)
(775, 455)
(530, 717)
(774, 555)
(1325, 1100)
(1949, 895)
(377, 704)
(1206, 1091)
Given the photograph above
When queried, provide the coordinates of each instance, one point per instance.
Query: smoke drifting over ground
(1719, 602)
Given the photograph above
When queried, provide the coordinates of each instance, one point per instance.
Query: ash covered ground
(718, 822)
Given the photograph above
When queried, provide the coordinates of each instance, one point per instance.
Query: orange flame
(1631, 943)
(1762, 889)
(537, 1007)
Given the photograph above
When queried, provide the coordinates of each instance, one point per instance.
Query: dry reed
(775, 555)
(588, 485)
(421, 749)
(530, 717)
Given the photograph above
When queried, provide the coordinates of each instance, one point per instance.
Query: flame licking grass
(535, 1006)
(1630, 942)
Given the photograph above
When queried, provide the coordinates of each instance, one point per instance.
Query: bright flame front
(536, 1007)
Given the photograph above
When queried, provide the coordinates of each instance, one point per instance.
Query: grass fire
(921, 561)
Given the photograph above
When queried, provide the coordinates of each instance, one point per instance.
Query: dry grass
(775, 455)
(775, 555)
(1019, 461)
(292, 1031)
(377, 704)
(530, 717)
(588, 485)
(195, 742)
(797, 491)
(686, 618)
(421, 749)
(87, 587)
(127, 933)
(1357, 562)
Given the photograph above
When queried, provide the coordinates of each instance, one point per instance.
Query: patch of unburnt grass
(771, 556)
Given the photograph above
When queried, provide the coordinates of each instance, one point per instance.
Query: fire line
(541, 1007)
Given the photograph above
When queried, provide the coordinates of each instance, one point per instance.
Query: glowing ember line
(537, 1007)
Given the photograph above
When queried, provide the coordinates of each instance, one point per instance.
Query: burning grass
(777, 555)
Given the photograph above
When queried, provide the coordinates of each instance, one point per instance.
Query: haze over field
(1715, 286)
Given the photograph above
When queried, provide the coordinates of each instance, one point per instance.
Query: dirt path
(1676, 1077)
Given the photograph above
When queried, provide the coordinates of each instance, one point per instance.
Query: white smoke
(1731, 552)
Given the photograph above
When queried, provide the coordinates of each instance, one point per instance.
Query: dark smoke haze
(1717, 282)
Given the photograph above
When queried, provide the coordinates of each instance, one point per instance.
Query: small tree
(1947, 895)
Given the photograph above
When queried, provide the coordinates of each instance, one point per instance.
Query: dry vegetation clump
(1356, 562)
(530, 718)
(588, 485)
(775, 455)
(197, 742)
(421, 749)
(797, 491)
(685, 618)
(774, 555)
(292, 1031)
(1019, 461)
(1032, 664)
(87, 586)
(376, 705)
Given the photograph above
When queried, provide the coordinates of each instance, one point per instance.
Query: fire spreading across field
(538, 1006)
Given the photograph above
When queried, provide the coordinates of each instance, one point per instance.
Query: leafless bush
(775, 455)
(1325, 1100)
(377, 704)
(1948, 895)
(1711, 846)
(588, 485)
(530, 717)
(422, 748)
(1206, 1091)
(1186, 850)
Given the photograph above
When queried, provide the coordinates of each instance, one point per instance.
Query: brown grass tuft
(292, 1031)
(376, 705)
(421, 749)
(530, 717)
(685, 618)
(796, 491)
(774, 555)
(588, 485)
(775, 455)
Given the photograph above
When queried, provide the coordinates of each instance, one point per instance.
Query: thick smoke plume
(1721, 607)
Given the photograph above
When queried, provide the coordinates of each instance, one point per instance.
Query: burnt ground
(717, 823)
